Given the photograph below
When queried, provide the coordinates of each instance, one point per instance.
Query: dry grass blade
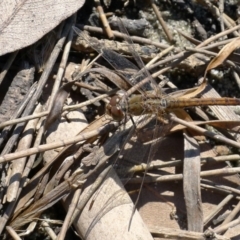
(47, 200)
(31, 188)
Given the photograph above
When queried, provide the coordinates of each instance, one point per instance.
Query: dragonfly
(151, 100)
(149, 103)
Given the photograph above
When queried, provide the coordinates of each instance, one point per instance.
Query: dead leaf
(193, 92)
(23, 22)
(223, 54)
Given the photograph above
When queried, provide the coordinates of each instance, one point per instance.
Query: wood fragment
(191, 184)
(110, 202)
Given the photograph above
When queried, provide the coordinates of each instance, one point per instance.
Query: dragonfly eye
(114, 109)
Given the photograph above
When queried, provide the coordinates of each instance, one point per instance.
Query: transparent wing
(143, 73)
(122, 65)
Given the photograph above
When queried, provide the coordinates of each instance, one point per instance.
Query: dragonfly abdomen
(150, 104)
(200, 102)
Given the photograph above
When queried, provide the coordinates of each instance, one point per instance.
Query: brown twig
(63, 63)
(178, 177)
(161, 21)
(206, 132)
(66, 108)
(18, 112)
(121, 35)
(71, 209)
(104, 20)
(45, 147)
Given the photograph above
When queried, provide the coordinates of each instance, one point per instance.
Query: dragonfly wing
(123, 66)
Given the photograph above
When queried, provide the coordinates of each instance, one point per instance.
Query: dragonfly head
(116, 108)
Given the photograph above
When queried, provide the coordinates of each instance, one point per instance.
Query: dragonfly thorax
(164, 103)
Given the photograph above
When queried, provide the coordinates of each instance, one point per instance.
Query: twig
(171, 233)
(63, 63)
(221, 11)
(18, 112)
(219, 207)
(161, 21)
(18, 166)
(13, 233)
(48, 229)
(66, 108)
(178, 177)
(71, 209)
(228, 62)
(225, 227)
(121, 35)
(104, 20)
(156, 165)
(206, 132)
(232, 215)
(219, 186)
(45, 147)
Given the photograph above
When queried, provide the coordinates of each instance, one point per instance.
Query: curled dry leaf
(23, 22)
(223, 54)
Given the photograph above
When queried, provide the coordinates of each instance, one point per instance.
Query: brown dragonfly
(151, 100)
(148, 102)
